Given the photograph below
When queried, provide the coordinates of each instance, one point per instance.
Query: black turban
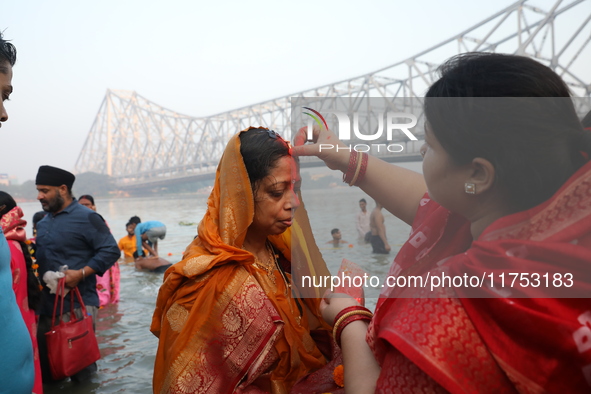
(53, 176)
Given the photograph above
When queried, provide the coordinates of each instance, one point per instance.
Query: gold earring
(470, 188)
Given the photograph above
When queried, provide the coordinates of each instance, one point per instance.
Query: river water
(127, 346)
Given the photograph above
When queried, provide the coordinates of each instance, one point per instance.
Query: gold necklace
(269, 265)
(288, 293)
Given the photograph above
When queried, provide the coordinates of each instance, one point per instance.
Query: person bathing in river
(128, 243)
(147, 235)
(152, 263)
(378, 239)
(336, 240)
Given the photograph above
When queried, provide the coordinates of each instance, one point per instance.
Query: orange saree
(498, 337)
(225, 325)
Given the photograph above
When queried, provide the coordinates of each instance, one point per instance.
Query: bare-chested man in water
(379, 242)
(152, 263)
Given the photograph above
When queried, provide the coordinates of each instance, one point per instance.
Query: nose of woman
(294, 199)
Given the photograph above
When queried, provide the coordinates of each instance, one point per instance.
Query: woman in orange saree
(505, 193)
(226, 317)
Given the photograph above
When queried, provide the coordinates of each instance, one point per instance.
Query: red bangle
(345, 323)
(361, 174)
(341, 319)
(349, 309)
(348, 176)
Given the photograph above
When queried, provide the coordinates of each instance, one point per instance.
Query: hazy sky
(196, 57)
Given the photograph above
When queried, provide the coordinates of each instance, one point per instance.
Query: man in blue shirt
(70, 235)
(147, 235)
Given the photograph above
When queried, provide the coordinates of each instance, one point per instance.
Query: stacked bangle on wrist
(356, 169)
(347, 316)
(362, 170)
(353, 159)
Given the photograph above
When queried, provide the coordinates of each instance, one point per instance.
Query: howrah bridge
(143, 145)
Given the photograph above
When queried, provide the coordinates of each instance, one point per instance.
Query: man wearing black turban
(52, 199)
(74, 236)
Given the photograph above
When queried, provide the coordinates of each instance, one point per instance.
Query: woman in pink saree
(107, 286)
(505, 193)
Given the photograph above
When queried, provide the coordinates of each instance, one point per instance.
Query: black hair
(533, 139)
(260, 153)
(135, 220)
(87, 197)
(363, 200)
(128, 224)
(334, 230)
(586, 122)
(38, 216)
(7, 203)
(7, 54)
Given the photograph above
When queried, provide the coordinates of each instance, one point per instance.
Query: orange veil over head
(225, 324)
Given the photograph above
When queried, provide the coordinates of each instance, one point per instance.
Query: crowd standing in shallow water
(226, 315)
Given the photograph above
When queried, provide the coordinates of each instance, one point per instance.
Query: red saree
(512, 341)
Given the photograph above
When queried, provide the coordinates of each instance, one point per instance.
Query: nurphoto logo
(389, 123)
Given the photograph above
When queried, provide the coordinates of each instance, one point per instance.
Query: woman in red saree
(506, 189)
(225, 315)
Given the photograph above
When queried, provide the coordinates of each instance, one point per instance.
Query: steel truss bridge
(143, 145)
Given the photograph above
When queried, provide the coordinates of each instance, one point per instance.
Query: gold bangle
(359, 157)
(361, 169)
(346, 315)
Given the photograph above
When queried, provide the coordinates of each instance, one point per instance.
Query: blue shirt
(76, 237)
(17, 372)
(142, 228)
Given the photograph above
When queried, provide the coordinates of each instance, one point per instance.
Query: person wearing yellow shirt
(127, 244)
